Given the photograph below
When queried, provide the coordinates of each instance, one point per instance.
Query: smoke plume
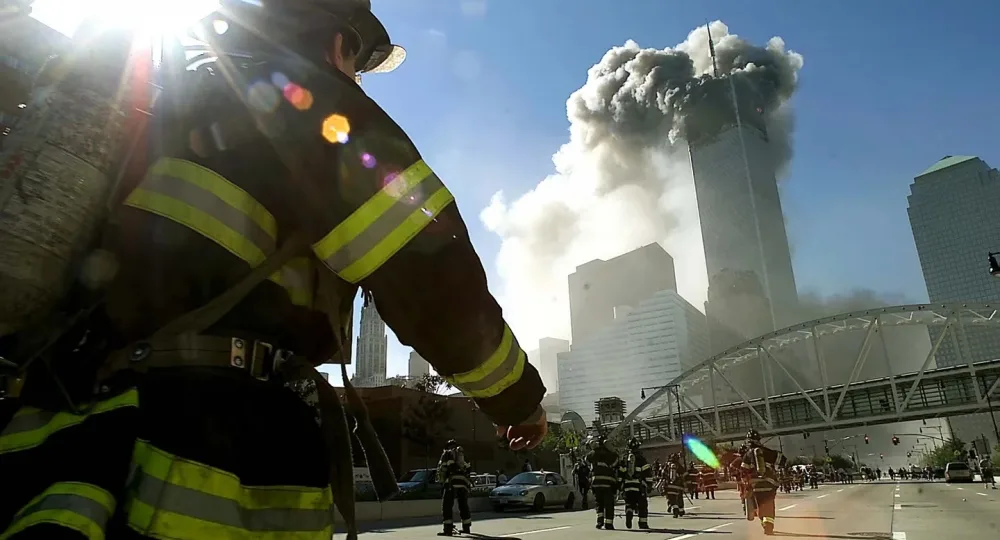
(624, 178)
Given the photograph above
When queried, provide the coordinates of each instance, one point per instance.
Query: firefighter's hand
(525, 436)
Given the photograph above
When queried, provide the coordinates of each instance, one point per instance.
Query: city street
(886, 510)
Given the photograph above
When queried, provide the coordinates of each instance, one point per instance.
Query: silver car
(536, 490)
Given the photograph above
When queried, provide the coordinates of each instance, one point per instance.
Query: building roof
(945, 162)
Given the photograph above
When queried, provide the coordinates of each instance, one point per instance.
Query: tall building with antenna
(372, 345)
(751, 287)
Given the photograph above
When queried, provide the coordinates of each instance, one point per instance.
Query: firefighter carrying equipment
(604, 463)
(635, 474)
(453, 474)
(762, 463)
(174, 256)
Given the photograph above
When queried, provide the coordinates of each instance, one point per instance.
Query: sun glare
(149, 17)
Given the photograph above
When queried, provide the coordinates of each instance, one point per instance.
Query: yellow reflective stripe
(172, 497)
(205, 202)
(225, 190)
(384, 224)
(31, 426)
(502, 369)
(85, 508)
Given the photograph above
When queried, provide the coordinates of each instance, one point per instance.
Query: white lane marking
(898, 535)
(983, 494)
(821, 496)
(961, 488)
(897, 506)
(897, 495)
(839, 490)
(686, 536)
(897, 488)
(536, 531)
(789, 507)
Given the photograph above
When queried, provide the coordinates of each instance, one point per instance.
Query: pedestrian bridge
(967, 386)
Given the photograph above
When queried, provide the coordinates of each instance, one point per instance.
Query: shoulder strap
(196, 321)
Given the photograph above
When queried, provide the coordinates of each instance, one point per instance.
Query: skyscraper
(597, 287)
(372, 343)
(953, 209)
(646, 345)
(417, 367)
(547, 363)
(742, 225)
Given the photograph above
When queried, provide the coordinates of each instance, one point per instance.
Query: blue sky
(888, 88)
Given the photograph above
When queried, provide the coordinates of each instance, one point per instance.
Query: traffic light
(866, 438)
(881, 455)
(895, 440)
(909, 454)
(826, 447)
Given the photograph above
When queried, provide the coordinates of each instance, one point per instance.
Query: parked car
(484, 483)
(420, 480)
(536, 489)
(957, 472)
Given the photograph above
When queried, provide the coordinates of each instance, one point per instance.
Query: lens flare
(702, 452)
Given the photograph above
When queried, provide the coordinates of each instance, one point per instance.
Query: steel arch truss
(732, 392)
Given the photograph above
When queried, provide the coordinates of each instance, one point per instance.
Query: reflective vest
(762, 463)
(453, 471)
(602, 463)
(77, 506)
(635, 473)
(172, 497)
(203, 201)
(709, 479)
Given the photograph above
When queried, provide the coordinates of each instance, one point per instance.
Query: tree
(838, 461)
(426, 422)
(432, 384)
(952, 450)
(560, 441)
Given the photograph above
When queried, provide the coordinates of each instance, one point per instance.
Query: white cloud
(474, 8)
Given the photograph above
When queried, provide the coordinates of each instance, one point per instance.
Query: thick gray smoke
(624, 180)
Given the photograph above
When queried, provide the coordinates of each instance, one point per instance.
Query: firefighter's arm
(382, 219)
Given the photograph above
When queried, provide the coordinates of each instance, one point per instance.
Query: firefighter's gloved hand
(527, 435)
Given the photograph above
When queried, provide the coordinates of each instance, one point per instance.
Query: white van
(957, 472)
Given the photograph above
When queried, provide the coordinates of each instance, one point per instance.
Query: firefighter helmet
(634, 444)
(452, 443)
(296, 24)
(753, 437)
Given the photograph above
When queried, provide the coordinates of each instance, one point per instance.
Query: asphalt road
(873, 511)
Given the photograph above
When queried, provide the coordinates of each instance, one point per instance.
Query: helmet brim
(378, 54)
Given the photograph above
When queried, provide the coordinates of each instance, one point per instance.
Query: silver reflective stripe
(27, 422)
(502, 371)
(77, 504)
(394, 216)
(199, 505)
(208, 202)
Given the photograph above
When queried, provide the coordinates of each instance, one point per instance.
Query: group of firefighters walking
(756, 468)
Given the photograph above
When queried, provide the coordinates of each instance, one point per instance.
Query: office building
(953, 208)
(372, 344)
(417, 367)
(750, 281)
(597, 287)
(645, 345)
(547, 361)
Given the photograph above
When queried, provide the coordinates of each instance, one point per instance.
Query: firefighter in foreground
(453, 474)
(167, 422)
(675, 484)
(762, 463)
(636, 478)
(604, 481)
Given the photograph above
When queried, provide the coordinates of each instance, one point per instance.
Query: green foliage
(560, 441)
(838, 461)
(432, 384)
(799, 460)
(426, 422)
(996, 459)
(953, 450)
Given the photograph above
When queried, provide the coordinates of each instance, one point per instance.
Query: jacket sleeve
(382, 219)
